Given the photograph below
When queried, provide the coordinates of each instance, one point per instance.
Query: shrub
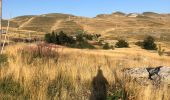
(8, 86)
(64, 39)
(106, 46)
(149, 43)
(122, 44)
(80, 37)
(3, 59)
(100, 42)
(58, 38)
(48, 38)
(82, 45)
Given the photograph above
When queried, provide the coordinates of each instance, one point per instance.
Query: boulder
(157, 75)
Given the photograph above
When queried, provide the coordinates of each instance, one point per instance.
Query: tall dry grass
(68, 75)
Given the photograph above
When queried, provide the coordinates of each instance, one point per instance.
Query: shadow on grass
(99, 87)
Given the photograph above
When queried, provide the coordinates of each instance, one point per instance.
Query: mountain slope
(106, 24)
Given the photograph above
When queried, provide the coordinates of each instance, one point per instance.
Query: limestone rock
(156, 75)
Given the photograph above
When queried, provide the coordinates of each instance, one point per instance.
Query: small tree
(122, 44)
(149, 43)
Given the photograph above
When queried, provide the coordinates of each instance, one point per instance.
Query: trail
(56, 24)
(25, 23)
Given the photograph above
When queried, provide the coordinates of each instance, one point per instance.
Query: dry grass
(70, 77)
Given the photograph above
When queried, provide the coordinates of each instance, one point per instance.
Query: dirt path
(56, 24)
(25, 23)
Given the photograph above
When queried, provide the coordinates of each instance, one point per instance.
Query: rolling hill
(108, 25)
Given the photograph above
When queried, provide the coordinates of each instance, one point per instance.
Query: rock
(165, 74)
(156, 75)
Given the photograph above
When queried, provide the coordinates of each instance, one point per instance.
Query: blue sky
(89, 8)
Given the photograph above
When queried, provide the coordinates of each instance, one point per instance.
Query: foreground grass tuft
(11, 87)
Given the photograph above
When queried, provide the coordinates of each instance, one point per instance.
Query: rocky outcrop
(145, 76)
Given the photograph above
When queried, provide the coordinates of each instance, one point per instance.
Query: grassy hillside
(41, 71)
(117, 22)
(68, 27)
(12, 24)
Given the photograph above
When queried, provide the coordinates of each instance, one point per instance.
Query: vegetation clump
(42, 51)
(3, 59)
(9, 86)
(106, 46)
(80, 40)
(59, 38)
(122, 44)
(149, 43)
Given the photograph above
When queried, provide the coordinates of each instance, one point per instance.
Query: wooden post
(0, 22)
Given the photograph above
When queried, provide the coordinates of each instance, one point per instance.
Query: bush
(81, 36)
(106, 46)
(82, 45)
(122, 44)
(59, 38)
(48, 38)
(64, 39)
(149, 43)
(3, 59)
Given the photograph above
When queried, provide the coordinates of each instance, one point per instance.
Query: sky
(88, 8)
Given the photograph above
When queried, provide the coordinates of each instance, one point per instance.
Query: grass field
(32, 73)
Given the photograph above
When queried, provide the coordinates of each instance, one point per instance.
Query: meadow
(52, 72)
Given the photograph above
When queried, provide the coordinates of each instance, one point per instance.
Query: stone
(158, 75)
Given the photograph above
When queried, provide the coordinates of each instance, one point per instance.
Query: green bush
(3, 59)
(149, 43)
(122, 44)
(106, 46)
(82, 45)
(10, 87)
(59, 38)
(63, 39)
(81, 36)
(48, 38)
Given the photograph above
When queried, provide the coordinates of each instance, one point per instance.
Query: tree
(149, 43)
